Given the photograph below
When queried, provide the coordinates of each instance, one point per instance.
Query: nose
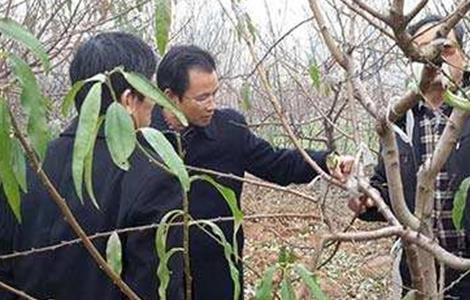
(211, 106)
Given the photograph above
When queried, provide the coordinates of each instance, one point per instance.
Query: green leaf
(120, 134)
(287, 292)
(87, 121)
(229, 196)
(286, 256)
(34, 104)
(114, 253)
(70, 97)
(145, 87)
(20, 34)
(246, 96)
(456, 101)
(88, 165)
(228, 253)
(163, 272)
(460, 199)
(311, 282)
(163, 147)
(19, 165)
(7, 176)
(265, 290)
(315, 76)
(162, 24)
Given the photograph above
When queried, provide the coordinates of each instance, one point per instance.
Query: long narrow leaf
(7, 176)
(120, 135)
(265, 288)
(162, 24)
(229, 196)
(34, 105)
(287, 291)
(460, 200)
(114, 253)
(20, 34)
(87, 121)
(163, 147)
(70, 97)
(18, 164)
(145, 87)
(88, 165)
(164, 255)
(310, 281)
(228, 253)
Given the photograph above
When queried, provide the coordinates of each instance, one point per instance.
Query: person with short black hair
(219, 139)
(138, 197)
(429, 119)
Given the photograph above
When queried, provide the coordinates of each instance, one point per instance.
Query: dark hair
(104, 52)
(433, 19)
(173, 70)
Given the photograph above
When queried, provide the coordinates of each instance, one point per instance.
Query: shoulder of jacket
(230, 115)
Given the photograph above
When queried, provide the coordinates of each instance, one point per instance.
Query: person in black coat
(219, 140)
(137, 197)
(429, 119)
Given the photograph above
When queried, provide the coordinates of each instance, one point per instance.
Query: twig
(17, 292)
(68, 215)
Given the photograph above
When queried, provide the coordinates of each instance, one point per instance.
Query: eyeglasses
(202, 99)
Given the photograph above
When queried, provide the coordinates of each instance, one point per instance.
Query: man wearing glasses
(220, 140)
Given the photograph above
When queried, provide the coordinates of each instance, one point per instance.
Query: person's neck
(172, 122)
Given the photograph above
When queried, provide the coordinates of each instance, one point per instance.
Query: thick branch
(330, 42)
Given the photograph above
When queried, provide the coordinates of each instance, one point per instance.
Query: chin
(204, 123)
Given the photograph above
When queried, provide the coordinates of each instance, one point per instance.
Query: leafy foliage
(84, 140)
(460, 200)
(114, 253)
(18, 33)
(163, 147)
(34, 105)
(120, 135)
(7, 174)
(164, 255)
(162, 24)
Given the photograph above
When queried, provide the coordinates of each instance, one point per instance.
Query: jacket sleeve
(379, 182)
(157, 197)
(7, 227)
(282, 166)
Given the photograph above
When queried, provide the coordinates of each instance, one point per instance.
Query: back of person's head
(434, 20)
(173, 69)
(104, 52)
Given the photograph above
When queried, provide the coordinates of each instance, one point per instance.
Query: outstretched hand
(340, 167)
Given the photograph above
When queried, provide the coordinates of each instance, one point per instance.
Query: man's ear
(128, 100)
(170, 95)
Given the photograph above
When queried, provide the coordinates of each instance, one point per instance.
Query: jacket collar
(71, 130)
(158, 122)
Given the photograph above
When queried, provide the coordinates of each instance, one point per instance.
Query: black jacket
(137, 197)
(456, 166)
(228, 146)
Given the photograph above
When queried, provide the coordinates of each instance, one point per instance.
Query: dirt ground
(357, 271)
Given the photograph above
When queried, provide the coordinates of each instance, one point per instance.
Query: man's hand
(360, 205)
(340, 167)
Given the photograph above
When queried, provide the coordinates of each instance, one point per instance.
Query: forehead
(202, 78)
(428, 32)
